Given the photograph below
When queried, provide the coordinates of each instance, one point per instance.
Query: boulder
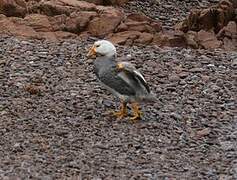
(229, 31)
(57, 7)
(58, 22)
(171, 38)
(208, 40)
(131, 37)
(139, 17)
(229, 44)
(15, 8)
(141, 21)
(115, 2)
(215, 17)
(97, 2)
(50, 8)
(78, 21)
(139, 26)
(16, 27)
(106, 22)
(108, 2)
(228, 35)
(144, 38)
(81, 5)
(191, 39)
(38, 22)
(49, 36)
(65, 35)
(122, 37)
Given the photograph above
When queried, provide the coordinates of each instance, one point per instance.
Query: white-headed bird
(122, 79)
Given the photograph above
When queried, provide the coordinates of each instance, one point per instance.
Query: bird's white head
(102, 48)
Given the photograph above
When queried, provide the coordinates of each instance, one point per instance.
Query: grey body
(127, 85)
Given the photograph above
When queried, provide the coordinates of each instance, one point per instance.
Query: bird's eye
(98, 45)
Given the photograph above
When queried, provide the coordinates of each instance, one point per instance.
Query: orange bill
(92, 52)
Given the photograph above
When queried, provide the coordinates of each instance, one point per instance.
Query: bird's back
(107, 73)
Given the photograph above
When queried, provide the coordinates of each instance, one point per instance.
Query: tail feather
(149, 98)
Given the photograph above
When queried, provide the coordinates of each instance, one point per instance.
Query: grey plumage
(128, 83)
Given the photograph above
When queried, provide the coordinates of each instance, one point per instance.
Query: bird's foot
(136, 117)
(120, 114)
(136, 113)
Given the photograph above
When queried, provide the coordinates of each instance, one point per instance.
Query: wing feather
(131, 75)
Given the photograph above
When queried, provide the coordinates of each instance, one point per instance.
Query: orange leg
(136, 112)
(122, 112)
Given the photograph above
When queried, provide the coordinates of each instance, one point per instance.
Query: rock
(215, 17)
(65, 35)
(138, 20)
(121, 2)
(139, 17)
(228, 34)
(82, 5)
(202, 25)
(172, 39)
(122, 27)
(176, 116)
(33, 26)
(58, 22)
(97, 2)
(114, 2)
(122, 37)
(139, 26)
(229, 44)
(183, 75)
(17, 28)
(174, 78)
(58, 7)
(196, 70)
(203, 132)
(106, 23)
(229, 31)
(55, 36)
(50, 36)
(156, 26)
(78, 21)
(205, 78)
(33, 89)
(108, 2)
(191, 38)
(38, 22)
(144, 38)
(208, 40)
(13, 8)
(50, 8)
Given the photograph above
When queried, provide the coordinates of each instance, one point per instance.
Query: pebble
(196, 70)
(68, 122)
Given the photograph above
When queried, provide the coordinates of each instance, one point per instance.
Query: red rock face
(210, 28)
(106, 22)
(79, 17)
(13, 7)
(38, 22)
(208, 40)
(108, 2)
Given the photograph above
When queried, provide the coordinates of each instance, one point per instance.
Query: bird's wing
(131, 75)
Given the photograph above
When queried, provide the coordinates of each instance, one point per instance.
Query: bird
(122, 79)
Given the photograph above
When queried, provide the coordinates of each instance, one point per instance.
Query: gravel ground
(54, 120)
(169, 12)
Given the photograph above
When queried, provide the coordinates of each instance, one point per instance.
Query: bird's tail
(149, 98)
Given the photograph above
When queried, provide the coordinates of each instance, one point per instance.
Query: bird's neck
(104, 61)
